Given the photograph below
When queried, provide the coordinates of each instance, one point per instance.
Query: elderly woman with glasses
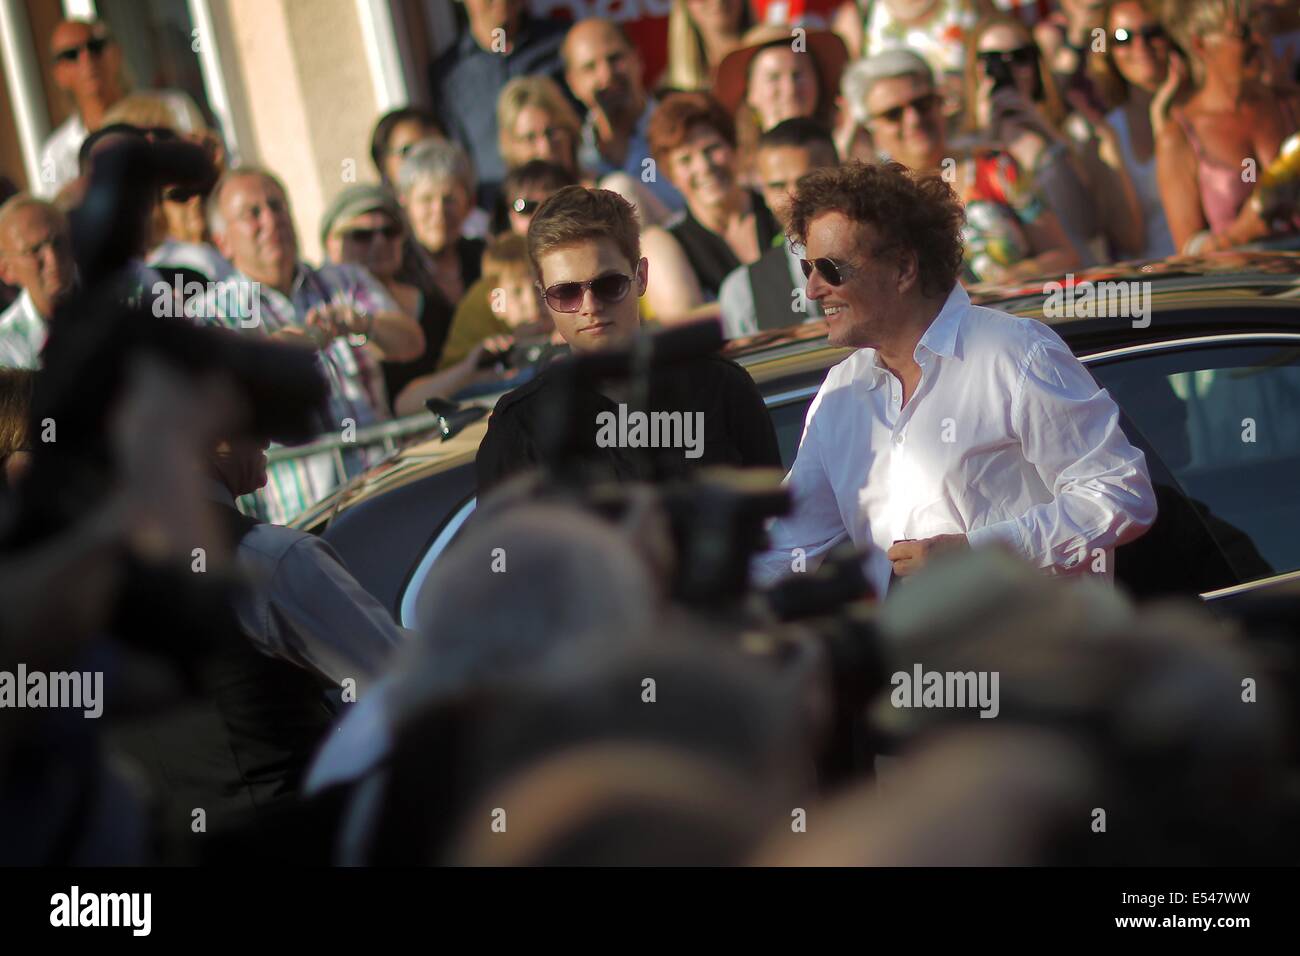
(1234, 122)
(1010, 234)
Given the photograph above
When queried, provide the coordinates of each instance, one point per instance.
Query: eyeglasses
(568, 296)
(922, 104)
(525, 207)
(367, 236)
(94, 46)
(1149, 34)
(836, 273)
(1021, 56)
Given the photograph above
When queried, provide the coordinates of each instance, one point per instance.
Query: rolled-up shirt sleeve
(814, 524)
(1069, 432)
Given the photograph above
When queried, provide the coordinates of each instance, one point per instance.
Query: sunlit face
(36, 255)
(601, 70)
(93, 73)
(703, 167)
(1143, 59)
(863, 310)
(436, 208)
(183, 213)
(597, 324)
(779, 168)
(536, 135)
(372, 240)
(515, 298)
(907, 121)
(405, 136)
(258, 236)
(1006, 39)
(782, 85)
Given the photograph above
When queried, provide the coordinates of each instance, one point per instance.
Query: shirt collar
(941, 337)
(217, 492)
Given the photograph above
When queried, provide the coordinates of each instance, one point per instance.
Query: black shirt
(737, 429)
(709, 254)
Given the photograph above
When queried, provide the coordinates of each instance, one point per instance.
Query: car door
(1218, 418)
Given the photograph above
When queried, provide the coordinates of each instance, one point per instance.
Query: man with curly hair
(950, 426)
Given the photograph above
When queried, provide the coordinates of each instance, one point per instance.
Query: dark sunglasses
(525, 207)
(1149, 34)
(94, 46)
(835, 273)
(922, 104)
(180, 193)
(367, 236)
(567, 296)
(1021, 56)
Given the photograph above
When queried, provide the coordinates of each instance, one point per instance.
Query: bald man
(605, 73)
(88, 69)
(35, 255)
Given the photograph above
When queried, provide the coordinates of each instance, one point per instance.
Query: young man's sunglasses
(525, 207)
(94, 46)
(922, 104)
(1021, 56)
(567, 296)
(835, 273)
(1149, 34)
(367, 236)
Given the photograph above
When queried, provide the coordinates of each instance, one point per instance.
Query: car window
(788, 421)
(1223, 422)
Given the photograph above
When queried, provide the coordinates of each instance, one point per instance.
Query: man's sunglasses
(835, 273)
(94, 46)
(1149, 34)
(922, 104)
(367, 236)
(525, 207)
(567, 296)
(1021, 56)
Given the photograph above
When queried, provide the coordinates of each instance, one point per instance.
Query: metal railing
(387, 435)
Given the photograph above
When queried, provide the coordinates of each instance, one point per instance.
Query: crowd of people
(569, 707)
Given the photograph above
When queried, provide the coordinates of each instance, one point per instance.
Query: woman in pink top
(1232, 118)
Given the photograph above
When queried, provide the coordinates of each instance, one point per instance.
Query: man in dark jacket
(585, 250)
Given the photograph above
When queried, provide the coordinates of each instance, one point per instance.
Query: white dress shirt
(1006, 439)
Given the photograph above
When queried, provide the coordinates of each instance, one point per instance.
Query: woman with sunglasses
(584, 246)
(1232, 122)
(1013, 102)
(1139, 74)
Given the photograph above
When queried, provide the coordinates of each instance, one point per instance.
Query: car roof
(1190, 293)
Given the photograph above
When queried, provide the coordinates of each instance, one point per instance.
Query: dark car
(1208, 383)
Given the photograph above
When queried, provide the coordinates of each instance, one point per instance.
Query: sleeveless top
(1159, 243)
(1222, 191)
(710, 257)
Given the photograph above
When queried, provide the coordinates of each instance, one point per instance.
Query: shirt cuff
(1006, 533)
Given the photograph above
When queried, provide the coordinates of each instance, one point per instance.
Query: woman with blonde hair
(536, 121)
(1233, 118)
(700, 34)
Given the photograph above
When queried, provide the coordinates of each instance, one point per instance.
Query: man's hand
(911, 555)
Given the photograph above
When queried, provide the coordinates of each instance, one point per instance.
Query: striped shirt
(22, 334)
(357, 397)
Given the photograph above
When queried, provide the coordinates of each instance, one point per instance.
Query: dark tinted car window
(788, 421)
(1223, 423)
